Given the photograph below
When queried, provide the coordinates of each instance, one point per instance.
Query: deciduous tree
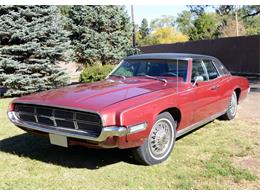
(205, 27)
(164, 35)
(163, 21)
(229, 29)
(184, 22)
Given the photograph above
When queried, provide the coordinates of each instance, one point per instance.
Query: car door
(205, 93)
(219, 86)
(224, 89)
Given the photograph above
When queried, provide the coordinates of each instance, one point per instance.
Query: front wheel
(232, 108)
(159, 144)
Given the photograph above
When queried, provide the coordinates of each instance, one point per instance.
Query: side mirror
(198, 79)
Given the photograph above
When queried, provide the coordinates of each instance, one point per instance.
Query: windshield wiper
(121, 76)
(156, 78)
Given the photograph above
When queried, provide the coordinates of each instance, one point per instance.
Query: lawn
(220, 155)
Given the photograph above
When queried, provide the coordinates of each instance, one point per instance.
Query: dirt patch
(249, 110)
(252, 163)
(73, 69)
(250, 107)
(241, 185)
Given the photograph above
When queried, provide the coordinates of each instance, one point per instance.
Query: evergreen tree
(144, 28)
(100, 34)
(31, 40)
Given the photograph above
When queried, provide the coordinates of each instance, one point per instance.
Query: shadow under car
(39, 148)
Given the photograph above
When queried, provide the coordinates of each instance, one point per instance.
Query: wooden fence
(241, 55)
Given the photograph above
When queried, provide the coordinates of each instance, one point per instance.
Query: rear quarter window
(221, 68)
(211, 69)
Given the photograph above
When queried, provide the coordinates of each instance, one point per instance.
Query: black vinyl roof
(168, 56)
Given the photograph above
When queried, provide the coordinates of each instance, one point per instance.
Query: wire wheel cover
(233, 105)
(160, 139)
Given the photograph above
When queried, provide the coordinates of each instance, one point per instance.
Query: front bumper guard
(105, 133)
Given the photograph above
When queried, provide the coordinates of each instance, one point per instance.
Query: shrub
(95, 73)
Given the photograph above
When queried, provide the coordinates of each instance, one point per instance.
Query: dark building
(241, 55)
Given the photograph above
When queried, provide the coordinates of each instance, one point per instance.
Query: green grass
(204, 159)
(222, 167)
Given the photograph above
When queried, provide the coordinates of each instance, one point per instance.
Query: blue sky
(154, 11)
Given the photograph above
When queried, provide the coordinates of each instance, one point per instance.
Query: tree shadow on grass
(39, 148)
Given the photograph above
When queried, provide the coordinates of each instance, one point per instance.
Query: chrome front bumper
(105, 133)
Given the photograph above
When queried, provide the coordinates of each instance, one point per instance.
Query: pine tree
(100, 34)
(31, 40)
(144, 28)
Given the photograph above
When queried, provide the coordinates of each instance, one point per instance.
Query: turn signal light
(11, 107)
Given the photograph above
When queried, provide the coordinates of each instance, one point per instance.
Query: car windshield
(153, 69)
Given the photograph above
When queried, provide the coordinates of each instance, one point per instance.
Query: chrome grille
(62, 118)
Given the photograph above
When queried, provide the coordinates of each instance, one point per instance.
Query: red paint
(136, 100)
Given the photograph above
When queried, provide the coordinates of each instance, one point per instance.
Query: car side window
(221, 68)
(198, 70)
(212, 71)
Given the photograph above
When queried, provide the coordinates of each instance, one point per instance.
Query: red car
(145, 103)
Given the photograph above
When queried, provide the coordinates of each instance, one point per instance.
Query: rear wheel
(232, 108)
(159, 144)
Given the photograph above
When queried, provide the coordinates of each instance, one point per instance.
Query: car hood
(94, 96)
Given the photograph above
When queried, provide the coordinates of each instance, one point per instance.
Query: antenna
(133, 21)
(177, 75)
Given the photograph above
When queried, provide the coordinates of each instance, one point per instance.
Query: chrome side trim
(198, 124)
(105, 133)
(130, 131)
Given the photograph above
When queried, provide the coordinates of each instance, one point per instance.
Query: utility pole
(132, 14)
(236, 8)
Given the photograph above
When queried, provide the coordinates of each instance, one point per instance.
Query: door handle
(214, 87)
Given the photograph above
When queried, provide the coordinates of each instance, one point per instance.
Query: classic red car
(145, 103)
